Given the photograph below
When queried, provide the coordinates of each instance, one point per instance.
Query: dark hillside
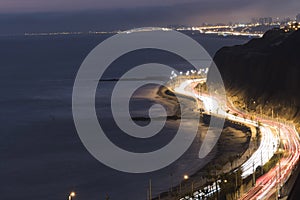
(265, 73)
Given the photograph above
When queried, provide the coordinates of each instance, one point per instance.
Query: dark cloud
(77, 5)
(188, 12)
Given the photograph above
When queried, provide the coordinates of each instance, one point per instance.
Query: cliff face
(264, 73)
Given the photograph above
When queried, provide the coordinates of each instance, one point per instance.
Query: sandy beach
(234, 141)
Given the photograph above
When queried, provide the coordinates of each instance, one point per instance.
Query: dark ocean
(42, 157)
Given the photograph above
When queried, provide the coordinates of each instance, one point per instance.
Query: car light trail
(271, 136)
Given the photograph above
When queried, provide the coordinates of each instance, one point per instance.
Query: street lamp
(185, 177)
(72, 194)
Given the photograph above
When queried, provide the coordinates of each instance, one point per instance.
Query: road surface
(272, 133)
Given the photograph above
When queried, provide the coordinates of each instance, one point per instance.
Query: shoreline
(197, 179)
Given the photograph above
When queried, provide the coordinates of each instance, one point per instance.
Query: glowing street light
(185, 177)
(206, 70)
(72, 194)
(284, 142)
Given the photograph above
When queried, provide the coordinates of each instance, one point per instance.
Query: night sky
(19, 16)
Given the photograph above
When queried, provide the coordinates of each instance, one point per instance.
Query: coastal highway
(269, 140)
(271, 182)
(272, 133)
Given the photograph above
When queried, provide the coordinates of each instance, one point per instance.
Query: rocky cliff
(264, 74)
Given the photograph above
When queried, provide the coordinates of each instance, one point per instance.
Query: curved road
(272, 132)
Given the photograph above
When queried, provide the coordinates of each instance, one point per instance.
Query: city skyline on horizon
(46, 16)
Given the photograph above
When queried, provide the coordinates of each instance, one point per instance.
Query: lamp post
(185, 177)
(150, 189)
(171, 175)
(192, 188)
(71, 195)
(280, 152)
